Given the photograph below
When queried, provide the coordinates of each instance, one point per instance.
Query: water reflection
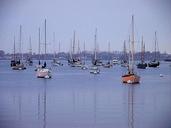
(83, 101)
(38, 106)
(131, 106)
(74, 99)
(95, 105)
(19, 106)
(44, 105)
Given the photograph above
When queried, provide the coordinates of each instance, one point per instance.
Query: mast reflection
(130, 106)
(95, 105)
(44, 105)
(38, 104)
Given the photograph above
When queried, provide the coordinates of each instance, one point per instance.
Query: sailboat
(17, 63)
(96, 60)
(44, 72)
(29, 60)
(154, 63)
(108, 64)
(142, 64)
(56, 61)
(124, 61)
(84, 67)
(39, 65)
(94, 69)
(115, 60)
(13, 60)
(131, 77)
(74, 60)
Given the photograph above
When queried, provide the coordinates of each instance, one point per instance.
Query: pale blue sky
(111, 17)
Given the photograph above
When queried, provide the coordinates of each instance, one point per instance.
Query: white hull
(19, 67)
(43, 73)
(76, 64)
(57, 63)
(38, 67)
(115, 62)
(84, 67)
(94, 70)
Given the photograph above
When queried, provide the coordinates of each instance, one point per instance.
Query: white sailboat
(44, 72)
(108, 64)
(94, 69)
(115, 61)
(39, 65)
(29, 60)
(56, 61)
(84, 67)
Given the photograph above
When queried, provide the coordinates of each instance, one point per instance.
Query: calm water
(74, 98)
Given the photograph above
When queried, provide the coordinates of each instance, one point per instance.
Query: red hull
(130, 79)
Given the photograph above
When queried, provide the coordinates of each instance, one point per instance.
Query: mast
(59, 47)
(124, 51)
(30, 49)
(84, 52)
(108, 47)
(74, 42)
(142, 51)
(21, 55)
(78, 47)
(129, 54)
(109, 50)
(14, 49)
(45, 40)
(71, 56)
(95, 44)
(155, 44)
(54, 44)
(132, 46)
(39, 45)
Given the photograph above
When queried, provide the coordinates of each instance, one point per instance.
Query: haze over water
(74, 98)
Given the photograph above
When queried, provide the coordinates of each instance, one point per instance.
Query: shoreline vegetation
(88, 55)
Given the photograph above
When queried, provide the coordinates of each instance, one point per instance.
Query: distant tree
(2, 53)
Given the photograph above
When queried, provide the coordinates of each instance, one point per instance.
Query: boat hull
(84, 67)
(131, 79)
(43, 73)
(124, 64)
(94, 70)
(167, 60)
(142, 65)
(107, 65)
(56, 63)
(19, 67)
(154, 64)
(115, 62)
(97, 62)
